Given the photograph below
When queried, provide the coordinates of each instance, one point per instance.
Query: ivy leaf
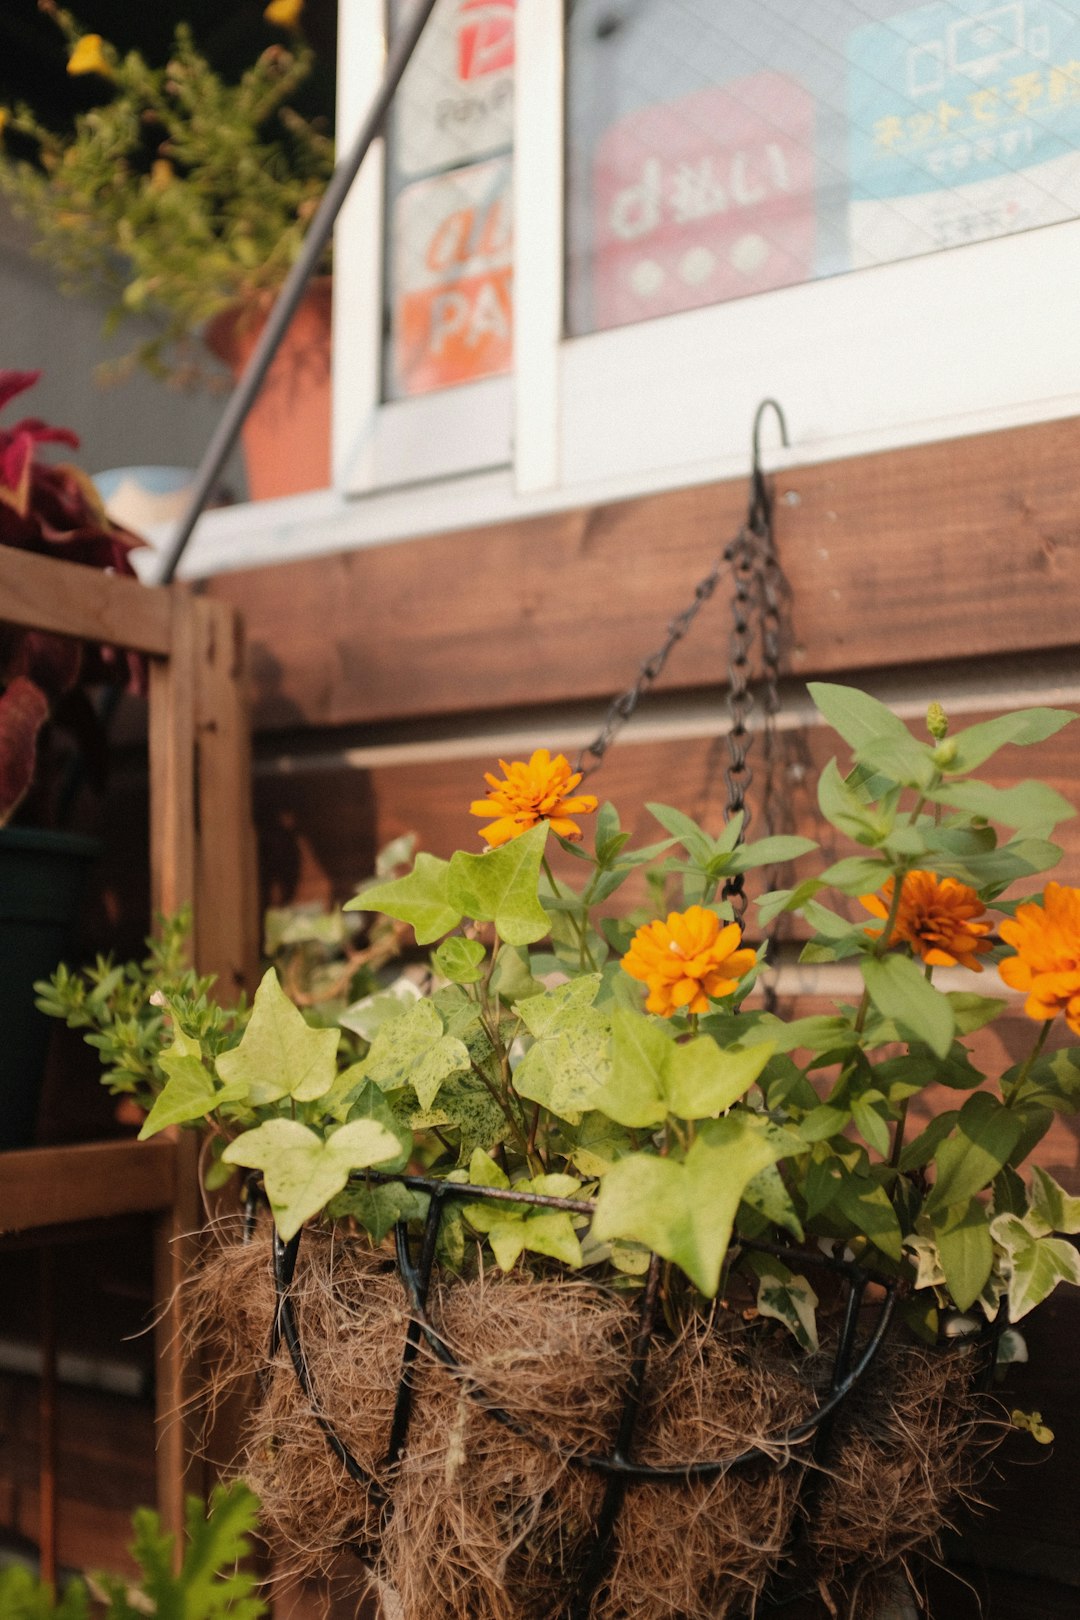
(368, 1102)
(280, 1055)
(899, 991)
(380, 1206)
(596, 1145)
(566, 1068)
(1051, 1209)
(511, 978)
(189, 1091)
(767, 1195)
(513, 1228)
(965, 1163)
(653, 1076)
(501, 885)
(414, 1051)
(301, 1171)
(966, 1250)
(367, 1016)
(421, 899)
(460, 960)
(685, 1211)
(1035, 1264)
(787, 1298)
(975, 744)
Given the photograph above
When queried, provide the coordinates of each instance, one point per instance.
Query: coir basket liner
(495, 1517)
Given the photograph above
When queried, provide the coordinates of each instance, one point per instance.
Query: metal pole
(284, 308)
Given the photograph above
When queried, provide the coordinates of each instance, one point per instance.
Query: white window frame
(378, 444)
(967, 340)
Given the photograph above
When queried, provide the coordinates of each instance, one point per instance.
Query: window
(711, 203)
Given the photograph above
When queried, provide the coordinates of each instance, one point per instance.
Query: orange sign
(453, 269)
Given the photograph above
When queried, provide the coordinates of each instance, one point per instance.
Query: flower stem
(1030, 1060)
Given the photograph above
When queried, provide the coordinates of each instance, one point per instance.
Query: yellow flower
(284, 13)
(1047, 965)
(687, 959)
(162, 174)
(938, 918)
(89, 57)
(537, 791)
(4, 119)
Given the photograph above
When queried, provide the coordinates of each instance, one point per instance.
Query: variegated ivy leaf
(597, 1143)
(380, 1207)
(413, 1050)
(421, 899)
(501, 885)
(366, 1016)
(1033, 1423)
(929, 1272)
(570, 1059)
(685, 1211)
(787, 1298)
(280, 1054)
(513, 1228)
(302, 1172)
(652, 1075)
(353, 1096)
(1034, 1264)
(1051, 1209)
(767, 1195)
(190, 1091)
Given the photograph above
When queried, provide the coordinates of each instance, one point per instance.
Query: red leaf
(15, 382)
(23, 712)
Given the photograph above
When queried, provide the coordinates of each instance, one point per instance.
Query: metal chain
(623, 706)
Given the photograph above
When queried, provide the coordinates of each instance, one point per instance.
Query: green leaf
(769, 852)
(367, 1016)
(854, 714)
(1052, 1209)
(857, 874)
(841, 806)
(211, 1583)
(414, 1051)
(965, 1163)
(597, 1143)
(513, 1228)
(865, 1203)
(511, 978)
(966, 1250)
(1032, 806)
(868, 1112)
(766, 1194)
(368, 1102)
(922, 1149)
(1035, 1264)
(653, 1076)
(421, 899)
(501, 886)
(976, 743)
(189, 1091)
(280, 1055)
(698, 845)
(901, 757)
(821, 1032)
(380, 1207)
(685, 1211)
(566, 1068)
(972, 1011)
(787, 1298)
(899, 991)
(301, 1171)
(460, 960)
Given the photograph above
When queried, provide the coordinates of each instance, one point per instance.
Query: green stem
(556, 891)
(898, 1135)
(1030, 1060)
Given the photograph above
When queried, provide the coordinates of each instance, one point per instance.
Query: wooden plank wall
(388, 679)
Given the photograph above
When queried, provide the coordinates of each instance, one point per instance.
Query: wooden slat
(172, 765)
(226, 918)
(967, 548)
(319, 830)
(51, 1186)
(176, 1378)
(42, 593)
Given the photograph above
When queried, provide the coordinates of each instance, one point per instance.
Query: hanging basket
(545, 1448)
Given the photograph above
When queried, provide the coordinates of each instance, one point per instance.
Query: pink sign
(703, 199)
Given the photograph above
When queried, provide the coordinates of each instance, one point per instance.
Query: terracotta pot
(287, 435)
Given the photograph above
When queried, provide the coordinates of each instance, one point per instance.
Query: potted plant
(684, 1313)
(46, 683)
(186, 198)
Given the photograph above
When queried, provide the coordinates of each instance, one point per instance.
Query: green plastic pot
(42, 878)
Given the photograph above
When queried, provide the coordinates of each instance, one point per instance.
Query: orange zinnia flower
(1047, 966)
(686, 960)
(937, 918)
(537, 791)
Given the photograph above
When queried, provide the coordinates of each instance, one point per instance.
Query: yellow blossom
(687, 959)
(5, 118)
(162, 174)
(537, 791)
(1047, 964)
(89, 57)
(284, 13)
(937, 917)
